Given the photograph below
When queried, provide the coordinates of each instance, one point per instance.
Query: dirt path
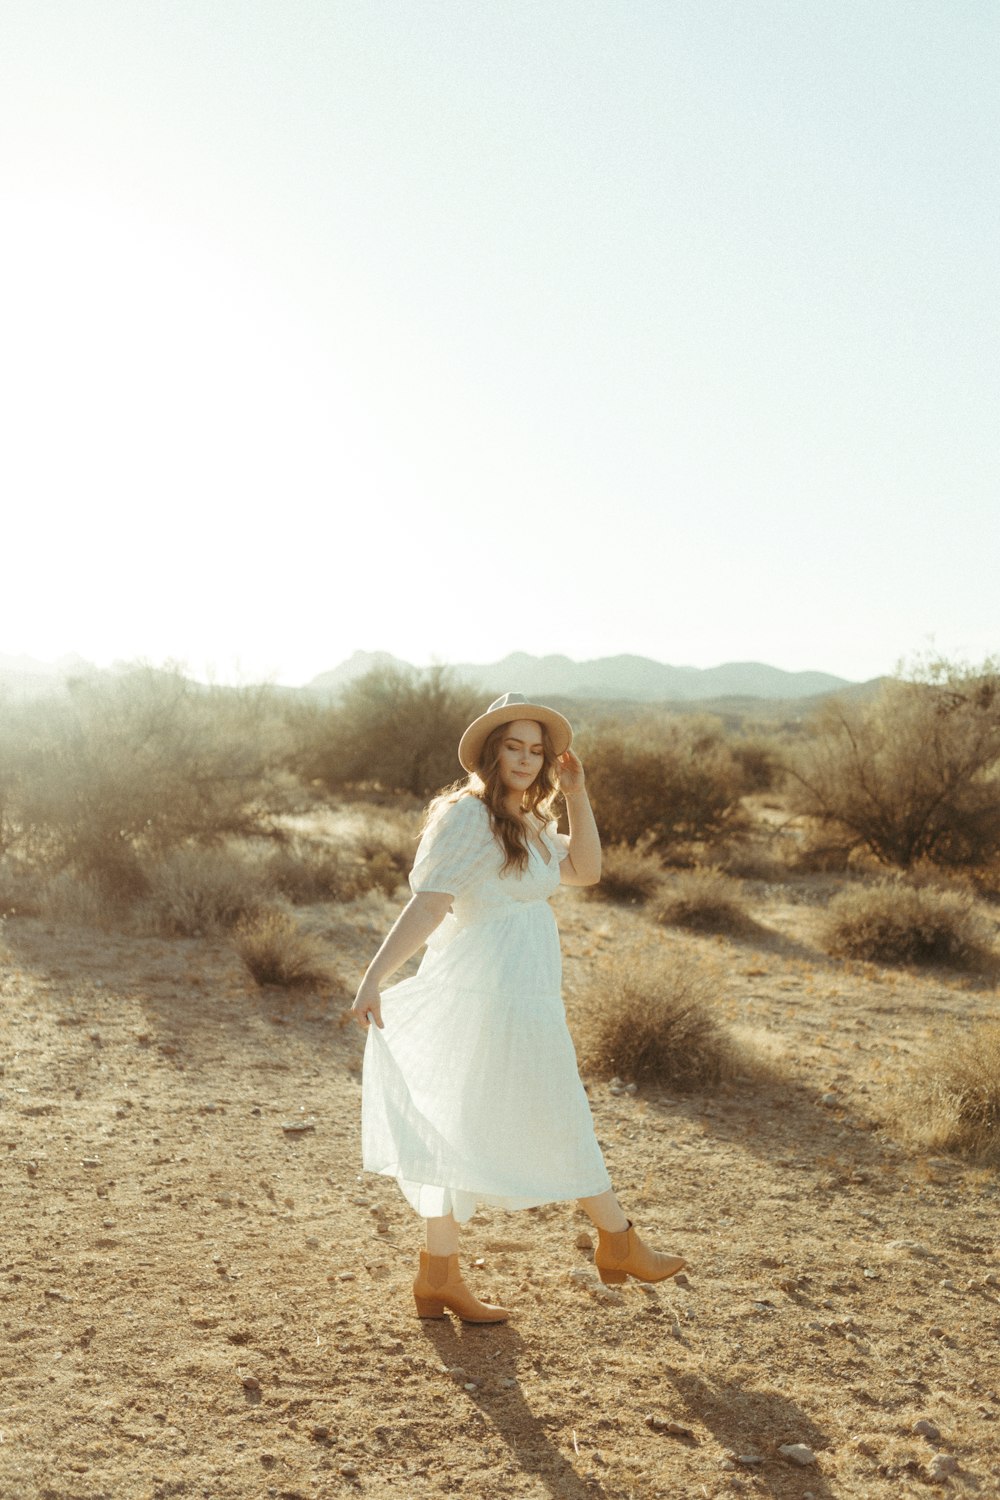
(199, 1301)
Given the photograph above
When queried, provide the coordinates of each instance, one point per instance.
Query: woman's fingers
(570, 771)
(366, 1011)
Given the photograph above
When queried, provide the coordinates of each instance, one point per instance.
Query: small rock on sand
(797, 1453)
(671, 1429)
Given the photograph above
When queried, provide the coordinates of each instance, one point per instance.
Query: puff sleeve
(557, 842)
(457, 848)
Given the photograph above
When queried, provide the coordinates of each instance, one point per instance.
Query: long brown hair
(485, 783)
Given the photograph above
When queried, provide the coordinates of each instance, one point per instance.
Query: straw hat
(504, 711)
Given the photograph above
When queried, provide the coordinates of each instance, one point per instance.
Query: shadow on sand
(490, 1357)
(748, 1421)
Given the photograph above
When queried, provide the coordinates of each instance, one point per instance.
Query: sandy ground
(198, 1300)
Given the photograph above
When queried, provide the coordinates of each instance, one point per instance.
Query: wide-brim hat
(504, 711)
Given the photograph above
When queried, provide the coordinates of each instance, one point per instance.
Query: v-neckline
(538, 842)
(536, 845)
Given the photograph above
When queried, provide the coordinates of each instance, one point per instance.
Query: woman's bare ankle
(605, 1212)
(442, 1236)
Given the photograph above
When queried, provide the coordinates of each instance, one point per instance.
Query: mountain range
(625, 679)
(636, 679)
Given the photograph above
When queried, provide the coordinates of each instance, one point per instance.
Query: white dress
(471, 1093)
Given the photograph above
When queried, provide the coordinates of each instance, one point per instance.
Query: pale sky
(458, 327)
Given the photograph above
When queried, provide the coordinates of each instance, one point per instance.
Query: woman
(470, 1091)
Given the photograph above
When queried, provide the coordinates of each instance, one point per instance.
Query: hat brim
(470, 746)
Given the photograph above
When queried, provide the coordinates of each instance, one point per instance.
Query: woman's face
(522, 754)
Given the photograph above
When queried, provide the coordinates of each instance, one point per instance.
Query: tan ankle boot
(439, 1285)
(623, 1254)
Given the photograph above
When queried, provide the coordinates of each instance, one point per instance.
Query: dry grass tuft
(898, 923)
(628, 876)
(275, 950)
(650, 1018)
(952, 1103)
(705, 900)
(195, 891)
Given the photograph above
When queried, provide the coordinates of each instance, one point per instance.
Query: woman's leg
(442, 1236)
(439, 1281)
(604, 1212)
(620, 1252)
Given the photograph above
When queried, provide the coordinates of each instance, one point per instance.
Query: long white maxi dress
(471, 1093)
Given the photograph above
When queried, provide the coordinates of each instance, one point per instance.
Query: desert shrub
(986, 883)
(911, 774)
(276, 950)
(381, 873)
(630, 876)
(667, 785)
(135, 764)
(75, 900)
(758, 760)
(307, 870)
(20, 887)
(704, 900)
(755, 857)
(7, 788)
(394, 729)
(649, 1017)
(818, 854)
(952, 1100)
(894, 922)
(194, 891)
(388, 838)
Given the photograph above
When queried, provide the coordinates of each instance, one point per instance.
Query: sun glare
(172, 426)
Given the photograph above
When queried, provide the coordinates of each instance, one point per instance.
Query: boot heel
(611, 1278)
(428, 1307)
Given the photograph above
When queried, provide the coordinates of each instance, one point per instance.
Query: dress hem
(433, 1200)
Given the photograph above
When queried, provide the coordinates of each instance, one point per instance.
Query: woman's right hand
(410, 931)
(367, 1005)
